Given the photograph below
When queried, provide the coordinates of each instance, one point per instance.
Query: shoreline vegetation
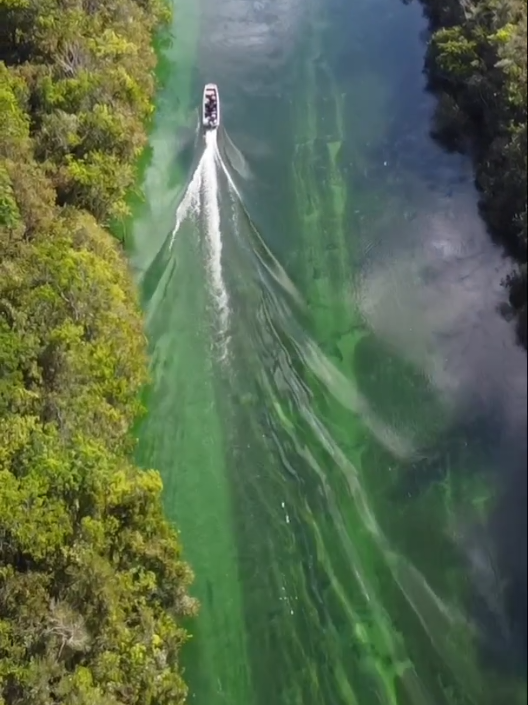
(476, 64)
(93, 589)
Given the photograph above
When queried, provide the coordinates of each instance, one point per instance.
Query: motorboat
(210, 107)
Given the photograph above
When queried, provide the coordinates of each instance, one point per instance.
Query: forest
(93, 588)
(94, 593)
(476, 62)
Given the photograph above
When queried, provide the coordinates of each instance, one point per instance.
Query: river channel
(338, 405)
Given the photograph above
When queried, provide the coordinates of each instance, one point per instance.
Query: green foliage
(15, 122)
(89, 82)
(96, 183)
(477, 57)
(92, 585)
(456, 55)
(9, 211)
(91, 578)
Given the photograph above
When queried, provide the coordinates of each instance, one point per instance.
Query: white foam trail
(191, 200)
(212, 213)
(202, 196)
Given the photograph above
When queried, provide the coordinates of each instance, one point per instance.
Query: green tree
(92, 582)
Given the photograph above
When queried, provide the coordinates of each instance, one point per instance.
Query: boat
(210, 107)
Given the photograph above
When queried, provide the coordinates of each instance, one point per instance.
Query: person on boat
(210, 106)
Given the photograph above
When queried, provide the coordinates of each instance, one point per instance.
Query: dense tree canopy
(477, 58)
(92, 585)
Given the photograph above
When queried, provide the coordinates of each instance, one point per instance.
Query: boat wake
(202, 200)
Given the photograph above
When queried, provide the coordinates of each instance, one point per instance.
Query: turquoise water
(337, 406)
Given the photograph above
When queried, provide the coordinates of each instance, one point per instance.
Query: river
(338, 405)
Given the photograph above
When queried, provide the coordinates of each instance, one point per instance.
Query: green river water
(337, 406)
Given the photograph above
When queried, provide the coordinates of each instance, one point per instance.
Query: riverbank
(93, 587)
(476, 62)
